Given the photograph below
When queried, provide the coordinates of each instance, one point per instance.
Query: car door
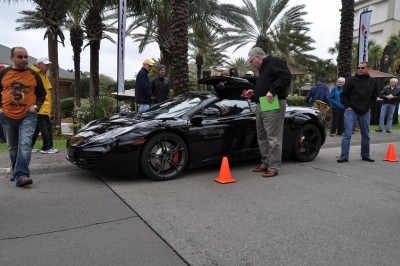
(227, 128)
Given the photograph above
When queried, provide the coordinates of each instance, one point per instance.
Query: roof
(297, 71)
(378, 74)
(5, 60)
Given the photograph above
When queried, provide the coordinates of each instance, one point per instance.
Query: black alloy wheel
(164, 156)
(307, 143)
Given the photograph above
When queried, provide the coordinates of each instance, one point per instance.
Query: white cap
(250, 73)
(43, 60)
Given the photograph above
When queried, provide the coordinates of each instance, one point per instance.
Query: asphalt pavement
(317, 213)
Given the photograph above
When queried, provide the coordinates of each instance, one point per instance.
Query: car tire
(164, 156)
(307, 143)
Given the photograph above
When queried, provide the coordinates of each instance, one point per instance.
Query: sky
(324, 16)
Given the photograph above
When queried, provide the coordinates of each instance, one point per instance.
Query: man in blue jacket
(319, 92)
(143, 94)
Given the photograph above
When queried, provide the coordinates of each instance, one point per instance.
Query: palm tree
(180, 28)
(242, 65)
(271, 26)
(99, 12)
(346, 38)
(51, 15)
(94, 29)
(74, 24)
(205, 49)
(157, 23)
(374, 54)
(394, 42)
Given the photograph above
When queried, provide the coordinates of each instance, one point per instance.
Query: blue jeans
(143, 107)
(386, 108)
(18, 133)
(350, 118)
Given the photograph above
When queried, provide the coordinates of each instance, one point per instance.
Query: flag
(121, 45)
(386, 59)
(363, 36)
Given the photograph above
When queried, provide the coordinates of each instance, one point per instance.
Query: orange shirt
(20, 90)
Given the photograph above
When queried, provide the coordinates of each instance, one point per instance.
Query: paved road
(313, 213)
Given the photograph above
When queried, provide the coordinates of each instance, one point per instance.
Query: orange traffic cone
(225, 173)
(391, 154)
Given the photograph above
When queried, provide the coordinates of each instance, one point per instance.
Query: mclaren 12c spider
(188, 131)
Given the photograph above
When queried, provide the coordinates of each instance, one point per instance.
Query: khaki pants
(270, 135)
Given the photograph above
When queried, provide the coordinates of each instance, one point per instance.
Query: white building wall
(385, 19)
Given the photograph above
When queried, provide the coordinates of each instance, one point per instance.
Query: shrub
(102, 107)
(67, 107)
(296, 101)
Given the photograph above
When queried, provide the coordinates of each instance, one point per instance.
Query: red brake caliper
(175, 157)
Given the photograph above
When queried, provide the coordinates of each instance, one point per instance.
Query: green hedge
(296, 101)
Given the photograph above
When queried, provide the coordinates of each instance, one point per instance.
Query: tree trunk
(180, 69)
(346, 38)
(54, 79)
(94, 70)
(76, 36)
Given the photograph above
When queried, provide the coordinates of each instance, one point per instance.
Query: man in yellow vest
(43, 117)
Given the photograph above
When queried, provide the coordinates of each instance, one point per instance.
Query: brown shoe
(23, 181)
(270, 173)
(260, 169)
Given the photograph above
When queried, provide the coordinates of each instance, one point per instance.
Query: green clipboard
(266, 106)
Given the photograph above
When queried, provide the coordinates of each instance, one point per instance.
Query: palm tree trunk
(180, 69)
(54, 78)
(346, 38)
(94, 70)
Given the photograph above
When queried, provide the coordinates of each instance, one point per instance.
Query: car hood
(109, 129)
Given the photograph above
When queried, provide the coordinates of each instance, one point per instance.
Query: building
(385, 19)
(66, 78)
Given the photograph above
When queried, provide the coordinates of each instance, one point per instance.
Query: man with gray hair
(273, 80)
(390, 96)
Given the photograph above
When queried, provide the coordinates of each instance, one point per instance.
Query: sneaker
(331, 135)
(34, 150)
(49, 151)
(388, 131)
(378, 130)
(23, 181)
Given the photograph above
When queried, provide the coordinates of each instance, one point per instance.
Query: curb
(5, 170)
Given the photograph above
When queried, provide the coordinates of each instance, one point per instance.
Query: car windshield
(174, 107)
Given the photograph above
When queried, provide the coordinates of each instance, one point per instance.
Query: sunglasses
(361, 67)
(22, 56)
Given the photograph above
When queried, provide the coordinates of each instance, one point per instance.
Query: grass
(57, 143)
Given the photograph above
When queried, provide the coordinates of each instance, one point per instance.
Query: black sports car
(189, 131)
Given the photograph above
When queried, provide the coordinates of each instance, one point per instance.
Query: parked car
(188, 131)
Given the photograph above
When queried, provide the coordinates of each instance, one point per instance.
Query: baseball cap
(43, 60)
(148, 62)
(249, 73)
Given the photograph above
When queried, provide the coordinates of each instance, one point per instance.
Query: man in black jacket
(143, 95)
(390, 96)
(160, 85)
(274, 79)
(358, 96)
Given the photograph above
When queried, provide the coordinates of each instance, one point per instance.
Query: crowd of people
(25, 107)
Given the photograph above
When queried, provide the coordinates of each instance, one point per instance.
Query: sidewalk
(50, 163)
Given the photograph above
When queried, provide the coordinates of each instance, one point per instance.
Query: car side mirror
(197, 120)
